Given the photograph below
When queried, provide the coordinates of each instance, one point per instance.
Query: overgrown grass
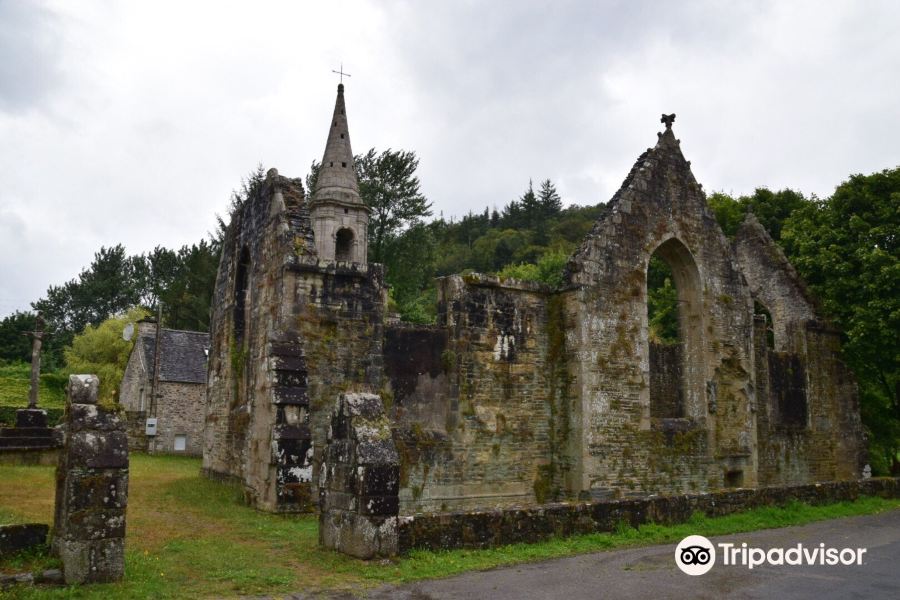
(15, 380)
(190, 537)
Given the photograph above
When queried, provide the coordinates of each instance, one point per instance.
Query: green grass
(191, 537)
(15, 381)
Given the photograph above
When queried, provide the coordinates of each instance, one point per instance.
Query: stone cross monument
(32, 416)
(37, 338)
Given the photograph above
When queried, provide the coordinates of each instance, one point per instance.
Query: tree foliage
(389, 186)
(662, 302)
(102, 351)
(15, 346)
(770, 208)
(847, 248)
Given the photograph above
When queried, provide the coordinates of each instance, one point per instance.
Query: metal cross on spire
(341, 72)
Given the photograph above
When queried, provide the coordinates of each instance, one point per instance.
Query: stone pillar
(91, 488)
(359, 481)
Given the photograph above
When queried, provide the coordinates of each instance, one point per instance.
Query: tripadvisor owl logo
(695, 555)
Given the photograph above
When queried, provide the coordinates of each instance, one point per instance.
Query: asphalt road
(650, 572)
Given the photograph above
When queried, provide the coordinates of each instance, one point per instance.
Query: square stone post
(91, 488)
(359, 482)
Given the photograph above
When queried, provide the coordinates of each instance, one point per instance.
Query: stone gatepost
(91, 488)
(359, 481)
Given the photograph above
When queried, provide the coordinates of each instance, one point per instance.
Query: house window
(180, 443)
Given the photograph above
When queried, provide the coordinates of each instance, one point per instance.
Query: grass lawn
(15, 381)
(190, 537)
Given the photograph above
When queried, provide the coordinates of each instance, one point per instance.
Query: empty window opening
(666, 376)
(734, 479)
(343, 248)
(334, 124)
(342, 136)
(180, 443)
(343, 164)
(673, 332)
(331, 164)
(761, 311)
(240, 294)
(346, 210)
(662, 303)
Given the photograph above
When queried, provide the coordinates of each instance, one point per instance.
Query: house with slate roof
(175, 399)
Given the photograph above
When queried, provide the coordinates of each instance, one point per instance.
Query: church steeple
(337, 175)
(340, 218)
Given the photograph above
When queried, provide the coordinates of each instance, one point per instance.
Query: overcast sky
(132, 122)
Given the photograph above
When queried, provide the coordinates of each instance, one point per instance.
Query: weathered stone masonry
(520, 394)
(91, 488)
(309, 330)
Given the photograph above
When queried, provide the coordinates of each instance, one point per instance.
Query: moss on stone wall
(549, 483)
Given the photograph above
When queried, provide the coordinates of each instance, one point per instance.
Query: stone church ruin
(520, 394)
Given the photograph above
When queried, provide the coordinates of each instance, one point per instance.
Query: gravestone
(359, 481)
(91, 488)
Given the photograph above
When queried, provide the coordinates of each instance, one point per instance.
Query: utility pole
(154, 382)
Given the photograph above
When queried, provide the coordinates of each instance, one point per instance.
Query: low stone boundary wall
(510, 526)
(15, 538)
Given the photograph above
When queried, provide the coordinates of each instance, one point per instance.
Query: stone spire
(337, 176)
(340, 218)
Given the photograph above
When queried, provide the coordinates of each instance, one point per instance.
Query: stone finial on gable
(668, 120)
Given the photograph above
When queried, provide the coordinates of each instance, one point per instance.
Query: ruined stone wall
(773, 281)
(808, 404)
(335, 311)
(179, 407)
(666, 380)
(308, 331)
(470, 398)
(269, 228)
(660, 209)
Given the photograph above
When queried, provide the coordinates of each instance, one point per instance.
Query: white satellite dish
(128, 332)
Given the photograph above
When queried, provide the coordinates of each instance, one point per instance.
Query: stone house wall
(180, 413)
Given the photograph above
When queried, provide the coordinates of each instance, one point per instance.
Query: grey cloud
(29, 55)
